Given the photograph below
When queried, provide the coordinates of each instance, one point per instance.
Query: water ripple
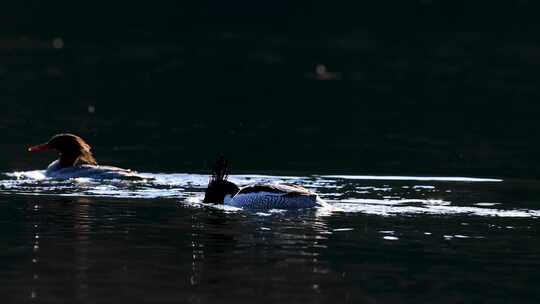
(377, 195)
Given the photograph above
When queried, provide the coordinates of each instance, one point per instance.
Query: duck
(76, 160)
(258, 195)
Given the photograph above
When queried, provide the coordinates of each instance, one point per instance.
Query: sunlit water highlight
(380, 195)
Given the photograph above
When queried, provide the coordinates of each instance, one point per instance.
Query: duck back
(274, 196)
(54, 170)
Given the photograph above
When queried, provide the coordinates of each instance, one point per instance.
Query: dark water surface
(393, 240)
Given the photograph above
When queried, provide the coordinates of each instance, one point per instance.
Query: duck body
(257, 196)
(274, 196)
(55, 170)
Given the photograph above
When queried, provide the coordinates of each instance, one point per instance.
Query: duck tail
(220, 170)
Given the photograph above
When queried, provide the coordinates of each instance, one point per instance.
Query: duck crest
(220, 170)
(86, 157)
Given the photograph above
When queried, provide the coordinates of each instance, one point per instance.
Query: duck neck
(68, 160)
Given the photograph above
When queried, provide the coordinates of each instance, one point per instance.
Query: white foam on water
(414, 178)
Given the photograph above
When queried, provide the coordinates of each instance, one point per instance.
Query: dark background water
(423, 87)
(427, 87)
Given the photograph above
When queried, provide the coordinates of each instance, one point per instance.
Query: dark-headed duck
(259, 195)
(76, 160)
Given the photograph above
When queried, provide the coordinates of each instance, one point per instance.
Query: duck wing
(274, 196)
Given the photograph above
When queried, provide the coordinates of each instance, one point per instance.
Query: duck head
(219, 187)
(72, 150)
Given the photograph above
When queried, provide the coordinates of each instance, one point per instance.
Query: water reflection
(35, 251)
(82, 215)
(93, 249)
(283, 249)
